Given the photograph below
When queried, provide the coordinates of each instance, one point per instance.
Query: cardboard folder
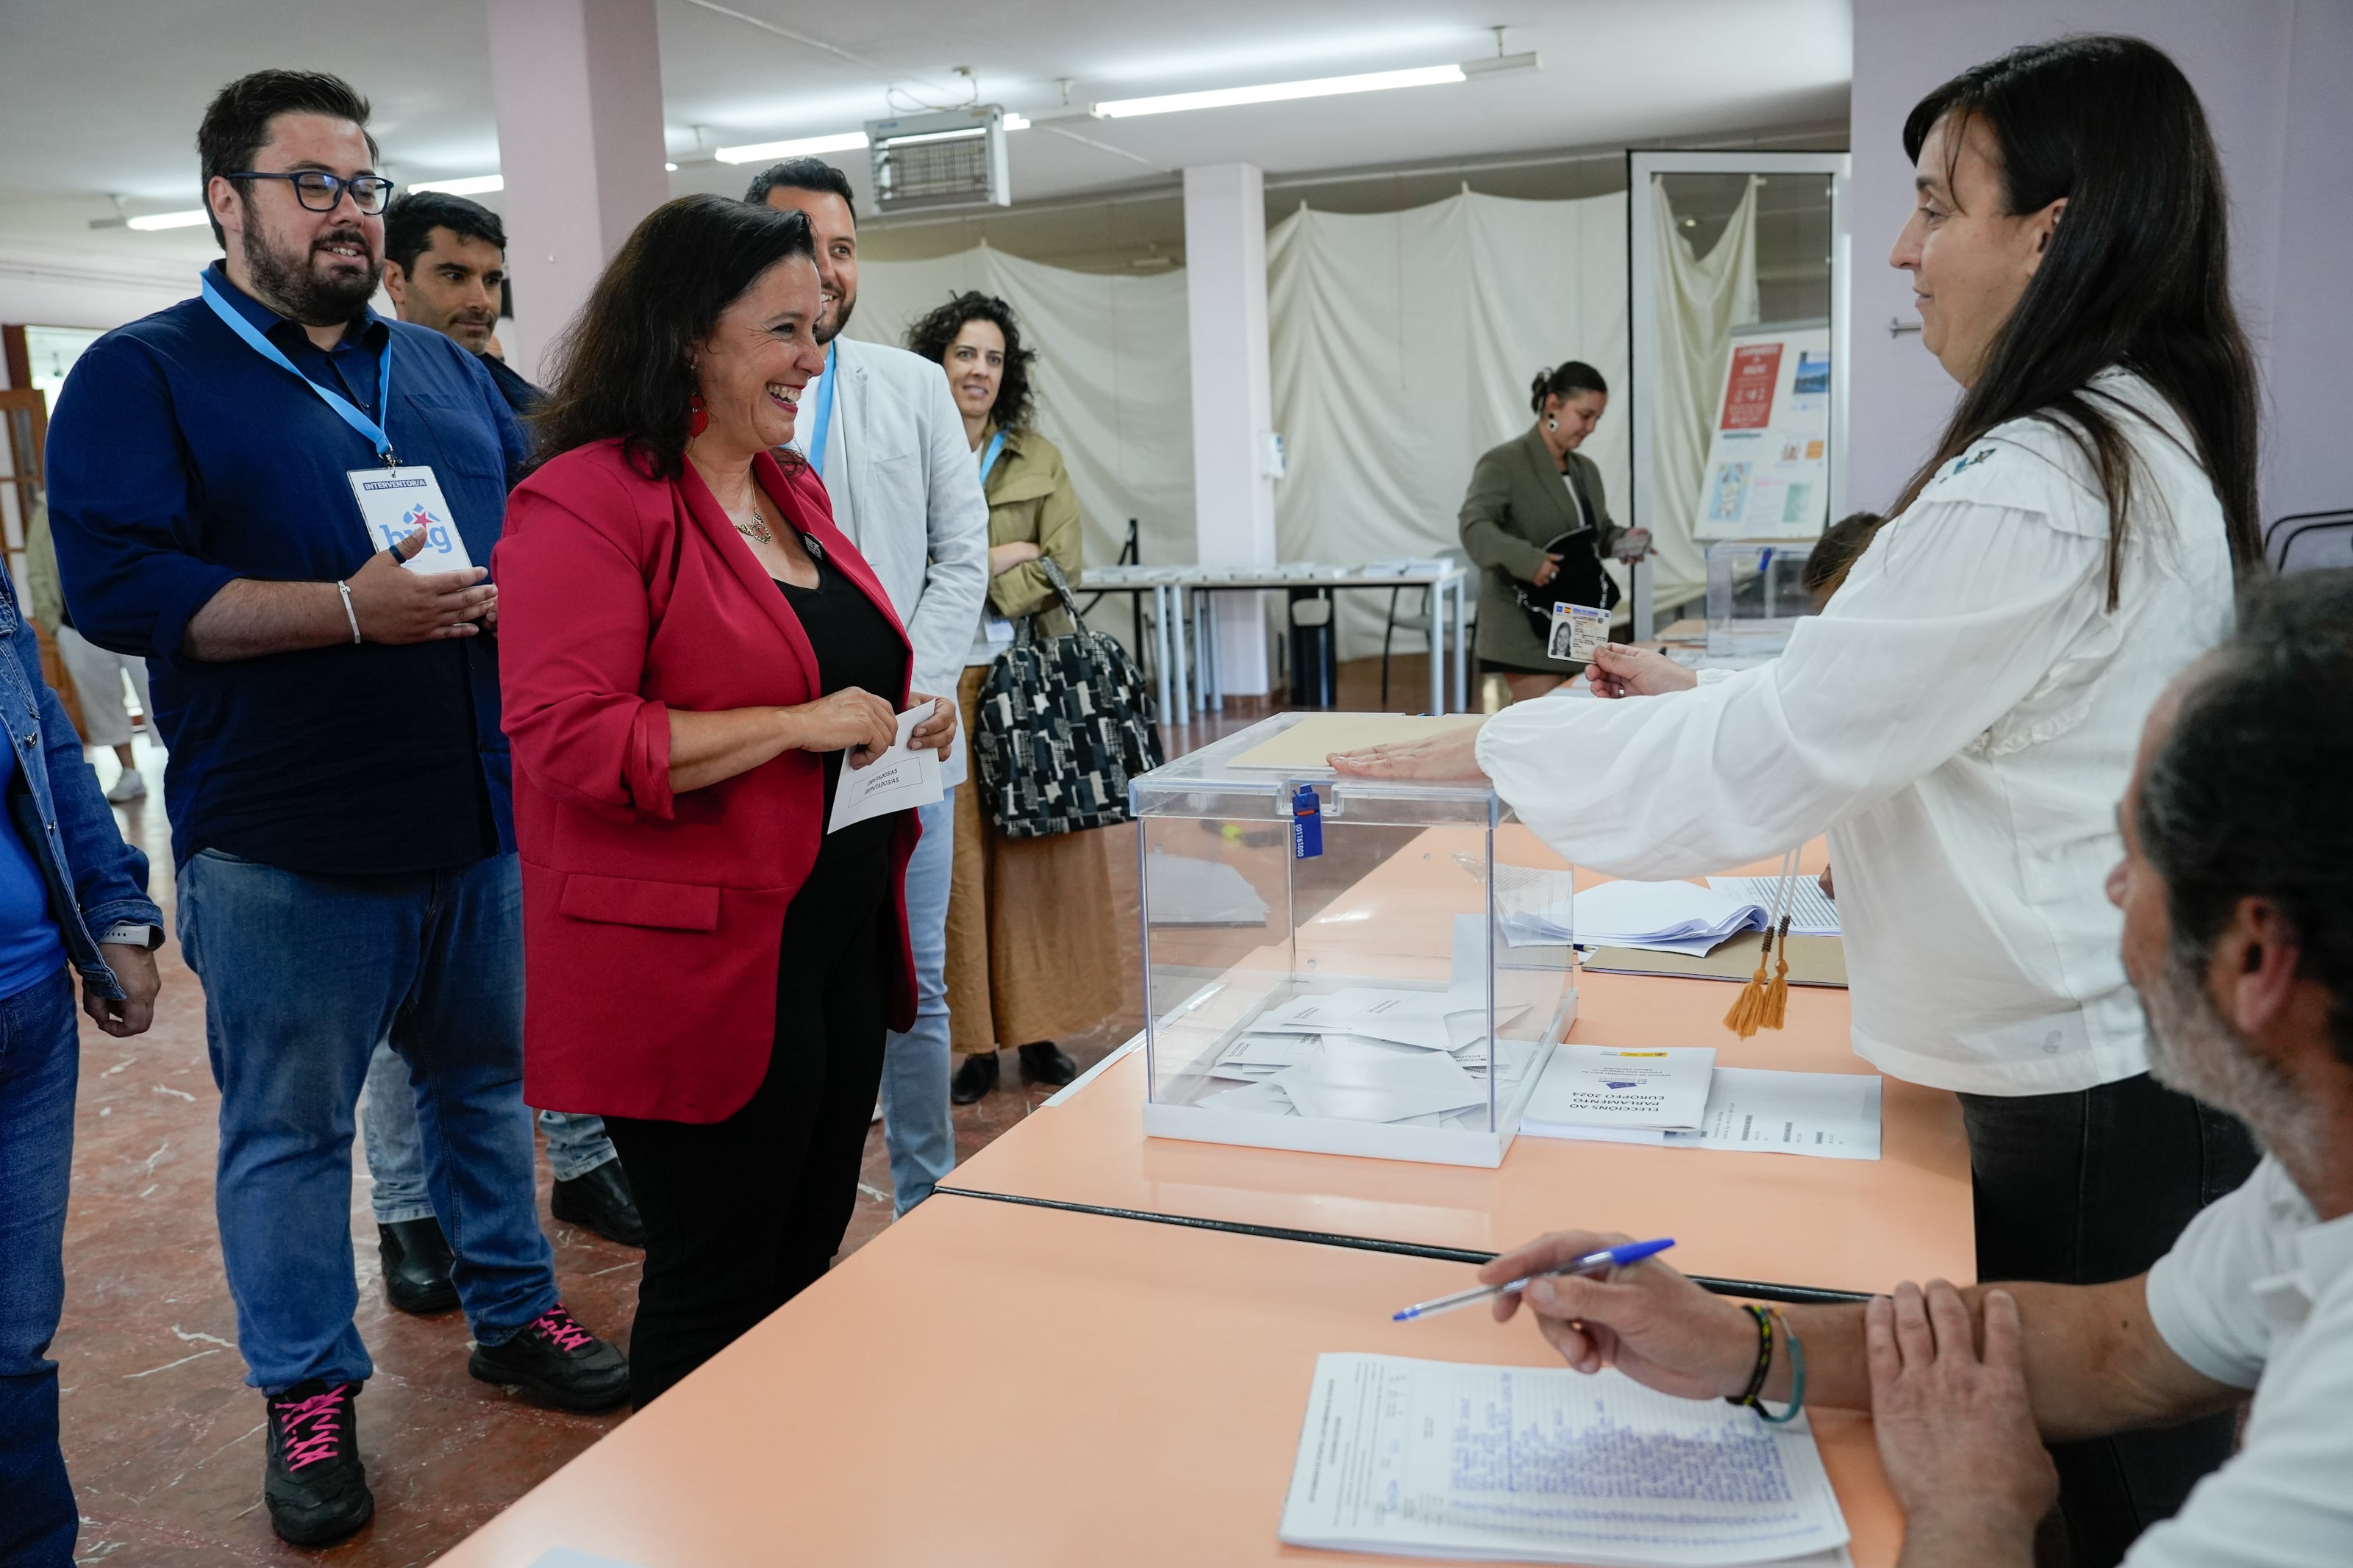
(1813, 961)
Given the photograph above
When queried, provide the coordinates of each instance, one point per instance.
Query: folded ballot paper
(1536, 910)
(1369, 1054)
(1429, 1458)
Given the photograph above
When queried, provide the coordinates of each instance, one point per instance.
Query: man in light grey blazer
(882, 432)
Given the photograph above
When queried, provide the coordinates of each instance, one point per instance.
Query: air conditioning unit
(923, 163)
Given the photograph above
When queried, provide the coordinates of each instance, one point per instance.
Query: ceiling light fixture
(168, 220)
(1276, 93)
(848, 141)
(471, 186)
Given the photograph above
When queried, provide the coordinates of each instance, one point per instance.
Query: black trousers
(743, 1215)
(2086, 1189)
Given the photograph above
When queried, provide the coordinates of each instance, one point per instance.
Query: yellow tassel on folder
(1777, 996)
(1748, 1009)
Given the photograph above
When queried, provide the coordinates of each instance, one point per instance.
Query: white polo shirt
(2259, 1294)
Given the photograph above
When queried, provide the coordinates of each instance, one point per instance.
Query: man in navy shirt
(338, 785)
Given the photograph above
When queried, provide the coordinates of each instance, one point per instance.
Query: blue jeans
(39, 1060)
(302, 977)
(577, 1143)
(915, 1124)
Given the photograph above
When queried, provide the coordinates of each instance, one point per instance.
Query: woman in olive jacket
(1537, 524)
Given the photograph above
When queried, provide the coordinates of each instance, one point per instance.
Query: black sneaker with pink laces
(554, 1358)
(315, 1486)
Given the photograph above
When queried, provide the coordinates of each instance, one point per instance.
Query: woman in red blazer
(691, 652)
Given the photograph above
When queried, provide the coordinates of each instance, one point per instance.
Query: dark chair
(1419, 618)
(2309, 541)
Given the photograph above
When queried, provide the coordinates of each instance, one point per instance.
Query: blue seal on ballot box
(1306, 823)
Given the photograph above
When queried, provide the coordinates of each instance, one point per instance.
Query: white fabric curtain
(1403, 345)
(1111, 382)
(1699, 301)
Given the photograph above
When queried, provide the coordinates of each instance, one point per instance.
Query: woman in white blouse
(1961, 717)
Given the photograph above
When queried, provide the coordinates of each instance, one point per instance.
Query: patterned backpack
(1064, 722)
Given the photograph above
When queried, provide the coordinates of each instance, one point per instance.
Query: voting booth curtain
(1700, 300)
(1112, 382)
(1402, 346)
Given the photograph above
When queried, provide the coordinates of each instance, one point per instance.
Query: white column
(576, 85)
(1233, 399)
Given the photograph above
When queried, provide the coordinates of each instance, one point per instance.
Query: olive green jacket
(1517, 503)
(1031, 502)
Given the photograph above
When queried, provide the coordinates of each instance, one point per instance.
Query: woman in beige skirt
(1033, 947)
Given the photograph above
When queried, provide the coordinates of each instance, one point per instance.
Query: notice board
(1768, 471)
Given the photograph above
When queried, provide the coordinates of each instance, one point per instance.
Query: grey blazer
(1517, 504)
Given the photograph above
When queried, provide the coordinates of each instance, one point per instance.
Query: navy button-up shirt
(179, 460)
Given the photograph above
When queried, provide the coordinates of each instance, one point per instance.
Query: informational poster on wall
(1768, 466)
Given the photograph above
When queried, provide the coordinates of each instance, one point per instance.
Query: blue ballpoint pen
(1591, 1263)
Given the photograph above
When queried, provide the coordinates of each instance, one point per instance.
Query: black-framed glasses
(320, 191)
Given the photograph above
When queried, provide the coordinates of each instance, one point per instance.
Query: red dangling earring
(697, 417)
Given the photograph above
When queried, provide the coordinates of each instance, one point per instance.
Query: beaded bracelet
(1764, 1357)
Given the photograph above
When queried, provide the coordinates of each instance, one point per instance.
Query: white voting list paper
(1541, 1465)
(1611, 1086)
(898, 780)
(1811, 912)
(1829, 1115)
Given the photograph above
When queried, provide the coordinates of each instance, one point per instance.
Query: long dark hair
(2137, 275)
(936, 329)
(625, 366)
(1565, 381)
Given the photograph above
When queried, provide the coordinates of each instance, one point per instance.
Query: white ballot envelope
(396, 503)
(898, 780)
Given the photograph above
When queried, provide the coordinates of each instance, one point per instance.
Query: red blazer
(651, 922)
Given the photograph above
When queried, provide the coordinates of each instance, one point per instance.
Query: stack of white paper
(1811, 911)
(1431, 1459)
(1648, 1088)
(1663, 916)
(1829, 1115)
(1371, 1054)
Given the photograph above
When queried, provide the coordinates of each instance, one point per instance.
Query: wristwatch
(131, 933)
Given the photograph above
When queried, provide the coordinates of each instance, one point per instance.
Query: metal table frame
(1185, 629)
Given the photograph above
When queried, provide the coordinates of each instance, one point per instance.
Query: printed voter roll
(396, 503)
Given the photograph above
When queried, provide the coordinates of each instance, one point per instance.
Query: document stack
(1537, 910)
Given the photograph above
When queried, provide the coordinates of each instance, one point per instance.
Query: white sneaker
(127, 788)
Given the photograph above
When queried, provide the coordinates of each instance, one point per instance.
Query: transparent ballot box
(1330, 963)
(1756, 593)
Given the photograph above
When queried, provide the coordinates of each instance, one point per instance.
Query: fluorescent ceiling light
(848, 141)
(1274, 92)
(670, 168)
(170, 220)
(471, 186)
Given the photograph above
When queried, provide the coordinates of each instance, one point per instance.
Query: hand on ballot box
(1451, 756)
(1648, 1321)
(1621, 669)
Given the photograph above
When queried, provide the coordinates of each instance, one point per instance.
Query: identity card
(396, 503)
(1578, 633)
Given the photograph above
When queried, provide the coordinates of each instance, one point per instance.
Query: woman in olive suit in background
(1537, 524)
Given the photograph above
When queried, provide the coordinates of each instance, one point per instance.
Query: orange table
(875, 1420)
(1794, 1224)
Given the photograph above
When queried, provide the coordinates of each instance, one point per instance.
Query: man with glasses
(280, 499)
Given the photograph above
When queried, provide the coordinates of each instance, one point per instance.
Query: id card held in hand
(396, 503)
(1578, 633)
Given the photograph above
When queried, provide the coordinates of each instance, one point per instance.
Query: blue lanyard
(989, 457)
(816, 442)
(334, 400)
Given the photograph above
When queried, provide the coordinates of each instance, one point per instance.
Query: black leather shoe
(975, 1076)
(416, 1267)
(602, 1202)
(1047, 1063)
(315, 1484)
(554, 1357)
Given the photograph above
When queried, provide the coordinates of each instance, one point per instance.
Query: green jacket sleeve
(1484, 538)
(1024, 591)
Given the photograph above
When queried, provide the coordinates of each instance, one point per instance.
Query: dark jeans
(2085, 1188)
(743, 1215)
(39, 1060)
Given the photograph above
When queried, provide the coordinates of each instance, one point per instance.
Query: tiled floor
(161, 1434)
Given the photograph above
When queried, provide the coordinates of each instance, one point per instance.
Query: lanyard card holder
(395, 502)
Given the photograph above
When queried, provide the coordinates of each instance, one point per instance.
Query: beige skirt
(1033, 937)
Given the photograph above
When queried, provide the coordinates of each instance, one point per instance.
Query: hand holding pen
(1592, 1265)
